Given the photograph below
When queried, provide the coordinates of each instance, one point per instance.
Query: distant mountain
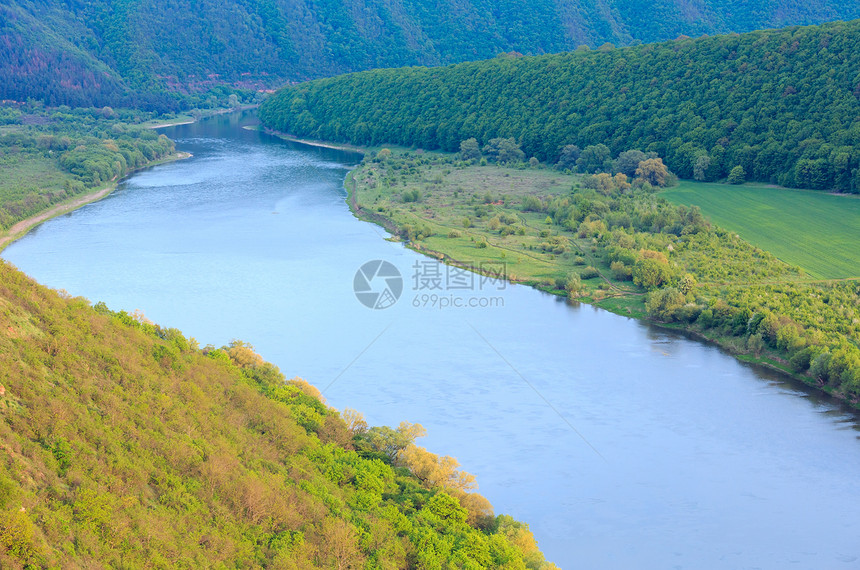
(131, 51)
(784, 105)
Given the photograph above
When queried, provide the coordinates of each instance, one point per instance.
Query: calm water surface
(621, 445)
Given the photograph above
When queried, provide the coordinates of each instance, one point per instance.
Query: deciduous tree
(653, 171)
(469, 149)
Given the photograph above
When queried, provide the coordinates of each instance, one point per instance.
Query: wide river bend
(622, 445)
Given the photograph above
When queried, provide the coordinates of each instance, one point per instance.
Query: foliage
(651, 273)
(594, 158)
(653, 171)
(126, 445)
(664, 303)
(629, 160)
(737, 175)
(470, 150)
(148, 54)
(568, 156)
(784, 105)
(504, 150)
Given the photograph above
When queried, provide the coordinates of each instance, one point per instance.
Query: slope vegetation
(782, 105)
(102, 52)
(125, 445)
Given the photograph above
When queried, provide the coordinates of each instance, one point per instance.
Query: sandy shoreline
(309, 142)
(21, 228)
(206, 115)
(163, 125)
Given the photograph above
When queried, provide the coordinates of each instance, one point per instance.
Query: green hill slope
(124, 445)
(101, 52)
(784, 105)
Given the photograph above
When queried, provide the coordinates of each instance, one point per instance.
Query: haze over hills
(784, 105)
(129, 52)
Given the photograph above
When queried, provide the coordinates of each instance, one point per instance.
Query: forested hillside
(783, 105)
(126, 445)
(135, 52)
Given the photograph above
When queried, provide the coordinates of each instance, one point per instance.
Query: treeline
(775, 106)
(142, 53)
(87, 147)
(630, 167)
(126, 444)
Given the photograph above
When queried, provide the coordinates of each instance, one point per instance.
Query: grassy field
(816, 231)
(456, 208)
(21, 173)
(27, 184)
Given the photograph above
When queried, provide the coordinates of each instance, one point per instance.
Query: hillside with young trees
(777, 106)
(125, 444)
(144, 53)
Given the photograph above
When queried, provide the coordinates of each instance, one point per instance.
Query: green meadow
(29, 183)
(816, 231)
(451, 217)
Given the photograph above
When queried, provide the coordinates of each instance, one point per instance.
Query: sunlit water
(621, 445)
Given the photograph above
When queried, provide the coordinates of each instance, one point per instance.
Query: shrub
(573, 286)
(737, 175)
(412, 195)
(620, 271)
(663, 303)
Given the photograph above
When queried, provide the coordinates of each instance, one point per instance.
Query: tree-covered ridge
(102, 52)
(783, 105)
(126, 445)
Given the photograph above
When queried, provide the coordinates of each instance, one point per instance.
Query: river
(622, 445)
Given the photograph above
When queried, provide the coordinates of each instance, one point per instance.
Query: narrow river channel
(622, 445)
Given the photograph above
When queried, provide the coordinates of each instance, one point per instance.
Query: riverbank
(465, 216)
(20, 229)
(189, 119)
(172, 124)
(308, 142)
